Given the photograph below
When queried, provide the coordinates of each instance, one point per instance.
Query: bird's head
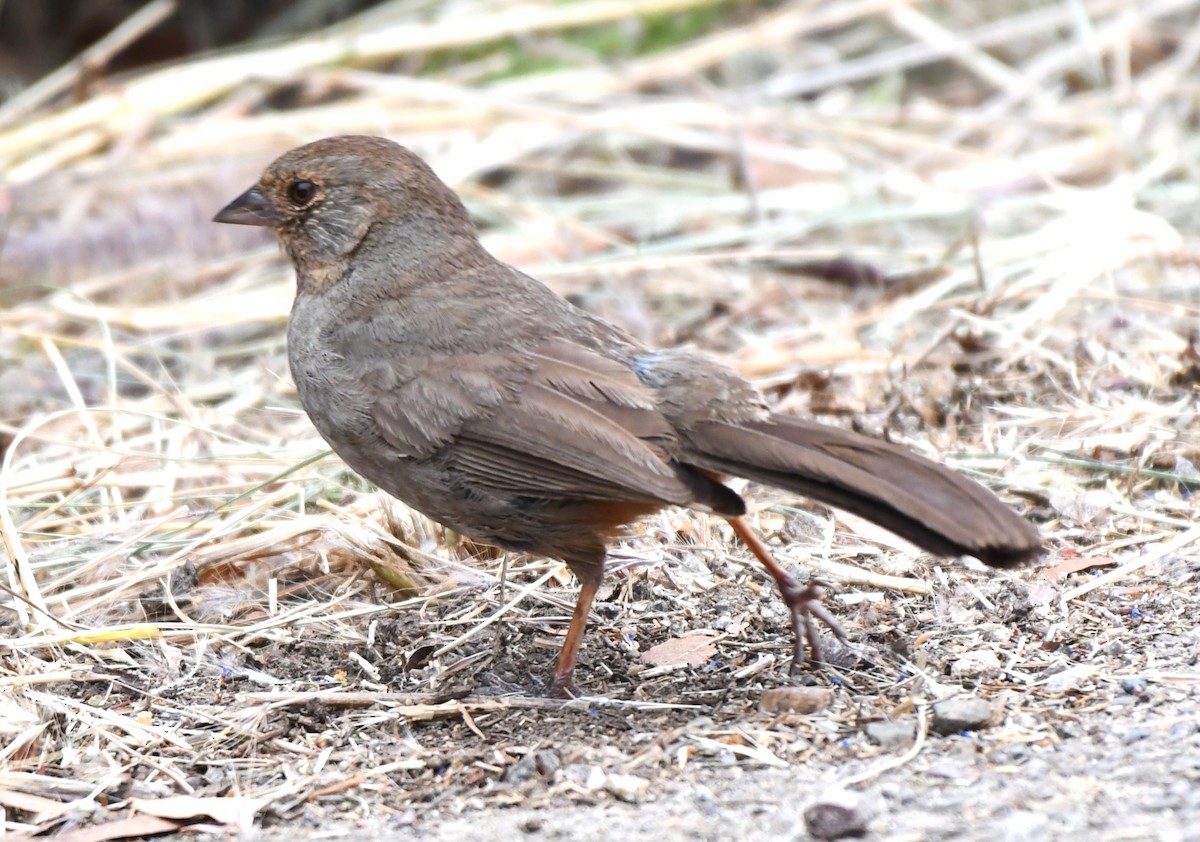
(325, 199)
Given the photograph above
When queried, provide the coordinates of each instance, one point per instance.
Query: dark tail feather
(926, 503)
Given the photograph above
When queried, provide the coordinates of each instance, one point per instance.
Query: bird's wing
(560, 420)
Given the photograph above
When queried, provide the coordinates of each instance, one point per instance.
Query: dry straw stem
(1010, 193)
(94, 57)
(193, 84)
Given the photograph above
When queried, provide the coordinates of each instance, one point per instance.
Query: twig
(1191, 536)
(894, 762)
(97, 55)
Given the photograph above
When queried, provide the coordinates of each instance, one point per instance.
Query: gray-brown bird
(483, 399)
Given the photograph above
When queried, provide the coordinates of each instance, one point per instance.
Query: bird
(483, 399)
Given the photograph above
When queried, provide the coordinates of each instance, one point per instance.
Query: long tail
(926, 503)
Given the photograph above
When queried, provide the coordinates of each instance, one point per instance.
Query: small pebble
(836, 816)
(1136, 686)
(581, 774)
(1070, 678)
(795, 699)
(1183, 730)
(629, 788)
(977, 664)
(996, 632)
(949, 769)
(891, 734)
(1015, 753)
(541, 764)
(955, 715)
(596, 779)
(533, 824)
(1135, 735)
(547, 762)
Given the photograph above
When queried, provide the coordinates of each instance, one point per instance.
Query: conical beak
(250, 208)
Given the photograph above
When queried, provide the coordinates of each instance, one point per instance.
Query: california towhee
(483, 399)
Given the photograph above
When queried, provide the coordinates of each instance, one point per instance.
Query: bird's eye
(301, 192)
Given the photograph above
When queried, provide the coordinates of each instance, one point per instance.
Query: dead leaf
(236, 811)
(44, 808)
(1073, 565)
(692, 650)
(120, 829)
(795, 699)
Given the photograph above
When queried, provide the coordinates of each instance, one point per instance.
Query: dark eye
(301, 191)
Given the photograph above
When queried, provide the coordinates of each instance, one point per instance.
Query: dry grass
(1009, 197)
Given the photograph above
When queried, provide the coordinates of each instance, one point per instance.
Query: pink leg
(562, 685)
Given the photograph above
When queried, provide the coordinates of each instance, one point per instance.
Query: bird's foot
(562, 686)
(804, 603)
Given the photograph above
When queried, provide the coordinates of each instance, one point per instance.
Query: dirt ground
(1096, 732)
(1091, 727)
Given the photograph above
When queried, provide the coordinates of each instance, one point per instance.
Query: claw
(804, 603)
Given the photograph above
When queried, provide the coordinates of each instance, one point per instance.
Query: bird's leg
(503, 576)
(803, 602)
(562, 686)
(498, 642)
